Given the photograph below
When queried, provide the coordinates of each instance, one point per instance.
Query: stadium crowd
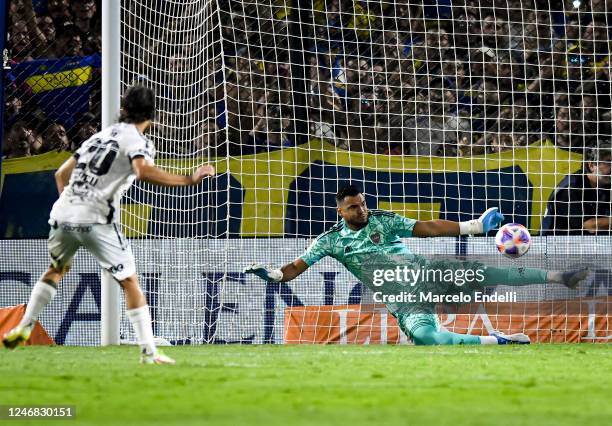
(425, 78)
(386, 77)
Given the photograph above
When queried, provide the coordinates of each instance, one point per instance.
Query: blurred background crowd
(480, 76)
(417, 77)
(426, 77)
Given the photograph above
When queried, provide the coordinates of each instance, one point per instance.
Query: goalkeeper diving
(364, 240)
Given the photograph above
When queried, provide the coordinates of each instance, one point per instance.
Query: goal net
(437, 111)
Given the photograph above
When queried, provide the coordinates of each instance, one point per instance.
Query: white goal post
(111, 87)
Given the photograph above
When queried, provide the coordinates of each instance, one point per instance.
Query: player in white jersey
(91, 184)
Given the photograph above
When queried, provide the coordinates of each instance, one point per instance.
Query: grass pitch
(346, 385)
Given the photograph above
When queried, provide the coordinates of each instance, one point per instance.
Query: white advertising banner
(199, 294)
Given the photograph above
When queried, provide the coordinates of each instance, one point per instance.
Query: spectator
(581, 203)
(601, 10)
(86, 128)
(13, 107)
(47, 27)
(69, 41)
(495, 33)
(19, 42)
(93, 41)
(595, 40)
(55, 138)
(83, 12)
(426, 134)
(59, 10)
(572, 33)
(37, 145)
(20, 140)
(17, 10)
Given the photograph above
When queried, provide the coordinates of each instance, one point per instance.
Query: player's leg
(511, 276)
(62, 246)
(43, 292)
(113, 252)
(424, 329)
(525, 276)
(428, 335)
(138, 313)
(419, 321)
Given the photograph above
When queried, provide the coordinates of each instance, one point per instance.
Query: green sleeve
(401, 225)
(319, 248)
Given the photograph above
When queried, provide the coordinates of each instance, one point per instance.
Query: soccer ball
(513, 240)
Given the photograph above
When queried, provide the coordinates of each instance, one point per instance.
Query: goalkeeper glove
(489, 220)
(264, 272)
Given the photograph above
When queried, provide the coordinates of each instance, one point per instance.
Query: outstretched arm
(149, 172)
(489, 220)
(315, 252)
(293, 270)
(436, 228)
(285, 273)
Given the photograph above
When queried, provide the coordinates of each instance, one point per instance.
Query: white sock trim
(488, 340)
(141, 321)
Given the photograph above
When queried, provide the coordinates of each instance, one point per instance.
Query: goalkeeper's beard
(358, 222)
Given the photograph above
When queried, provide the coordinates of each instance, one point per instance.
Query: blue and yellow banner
(290, 192)
(61, 87)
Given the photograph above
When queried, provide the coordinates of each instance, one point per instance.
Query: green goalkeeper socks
(513, 276)
(428, 335)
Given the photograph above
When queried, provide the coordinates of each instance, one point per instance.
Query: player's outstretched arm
(285, 273)
(435, 228)
(489, 220)
(151, 173)
(62, 175)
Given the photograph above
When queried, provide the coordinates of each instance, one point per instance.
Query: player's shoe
(17, 335)
(572, 278)
(511, 339)
(157, 358)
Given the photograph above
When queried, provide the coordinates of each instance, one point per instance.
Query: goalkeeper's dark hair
(348, 190)
(137, 105)
(596, 153)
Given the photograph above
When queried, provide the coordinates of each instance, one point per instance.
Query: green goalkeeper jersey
(381, 236)
(377, 245)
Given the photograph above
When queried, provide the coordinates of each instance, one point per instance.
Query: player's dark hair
(137, 105)
(348, 190)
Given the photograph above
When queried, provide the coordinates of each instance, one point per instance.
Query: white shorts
(105, 242)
